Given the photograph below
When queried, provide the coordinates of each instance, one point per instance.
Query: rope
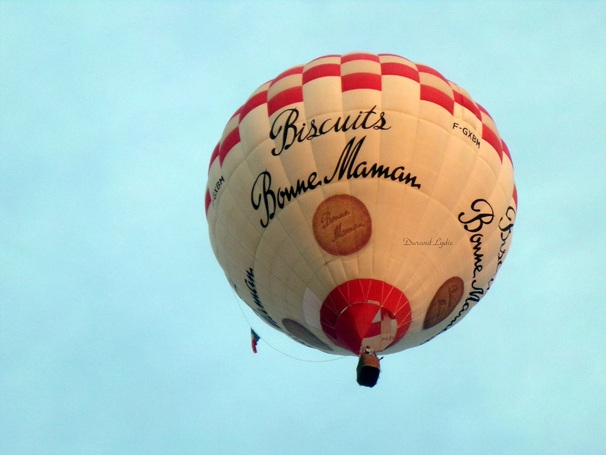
(239, 303)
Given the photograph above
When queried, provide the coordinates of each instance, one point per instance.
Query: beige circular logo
(445, 300)
(342, 225)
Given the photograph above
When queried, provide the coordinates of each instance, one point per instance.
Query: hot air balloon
(361, 204)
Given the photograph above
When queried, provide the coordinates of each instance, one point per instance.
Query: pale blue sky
(118, 331)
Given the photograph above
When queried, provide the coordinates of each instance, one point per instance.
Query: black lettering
(217, 187)
(348, 167)
(467, 133)
(285, 130)
(476, 241)
(506, 227)
(485, 215)
(268, 200)
(259, 308)
(346, 160)
(263, 196)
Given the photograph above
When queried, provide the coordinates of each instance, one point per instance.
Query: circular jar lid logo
(342, 225)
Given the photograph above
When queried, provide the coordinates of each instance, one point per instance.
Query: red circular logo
(365, 312)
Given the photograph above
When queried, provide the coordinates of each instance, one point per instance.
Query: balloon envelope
(361, 200)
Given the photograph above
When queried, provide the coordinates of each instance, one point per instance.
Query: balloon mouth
(365, 312)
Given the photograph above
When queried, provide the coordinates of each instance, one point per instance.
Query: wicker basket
(368, 370)
(369, 360)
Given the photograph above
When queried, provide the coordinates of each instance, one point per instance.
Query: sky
(119, 333)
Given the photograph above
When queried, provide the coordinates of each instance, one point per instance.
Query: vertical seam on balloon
(310, 74)
(377, 181)
(448, 210)
(363, 80)
(400, 70)
(310, 266)
(343, 134)
(415, 140)
(435, 96)
(256, 263)
(466, 281)
(328, 70)
(289, 96)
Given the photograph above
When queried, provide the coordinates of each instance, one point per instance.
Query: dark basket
(368, 370)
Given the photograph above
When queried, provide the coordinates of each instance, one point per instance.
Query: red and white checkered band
(360, 71)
